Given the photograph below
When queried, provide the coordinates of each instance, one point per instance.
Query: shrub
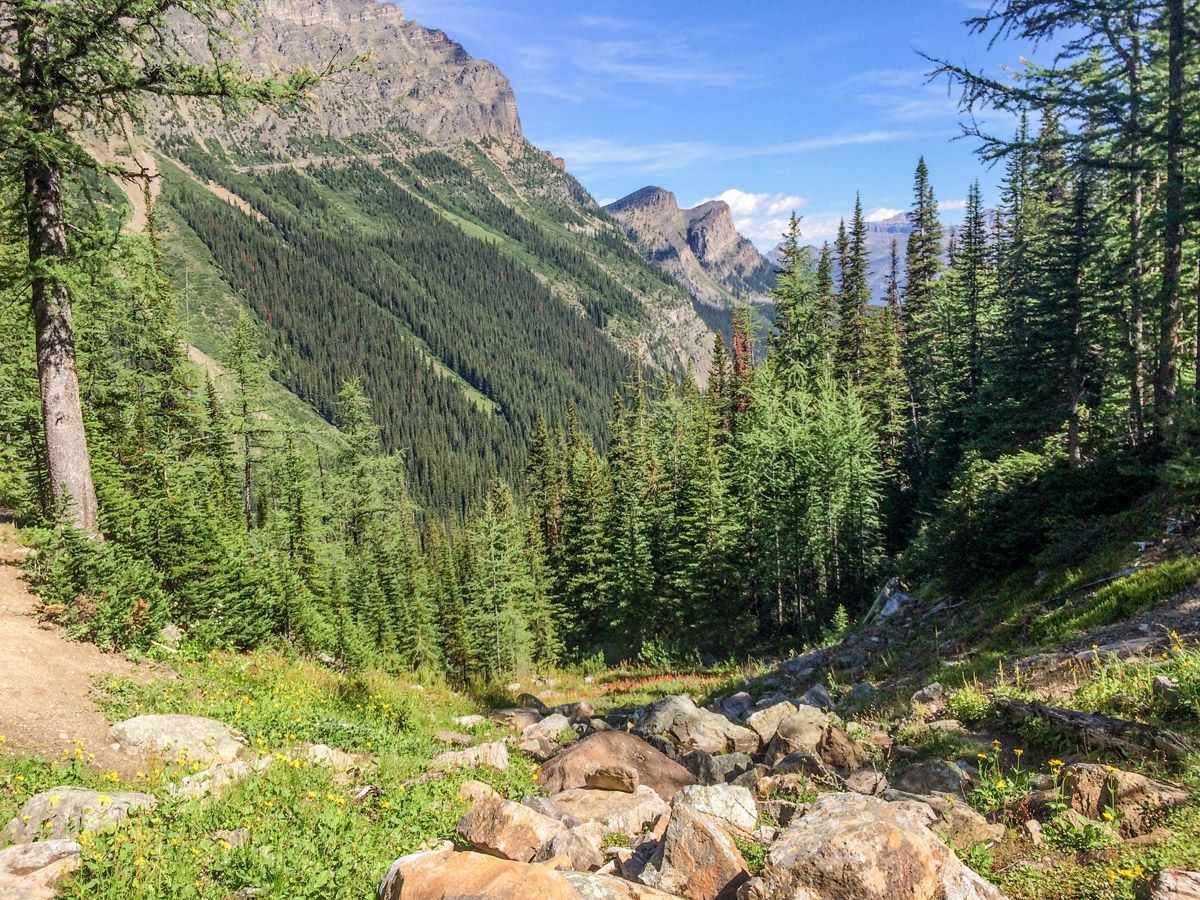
(969, 705)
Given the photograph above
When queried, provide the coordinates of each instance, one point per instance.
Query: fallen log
(1098, 732)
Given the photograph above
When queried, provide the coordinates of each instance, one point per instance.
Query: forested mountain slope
(400, 229)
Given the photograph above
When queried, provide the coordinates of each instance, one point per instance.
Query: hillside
(700, 249)
(352, 205)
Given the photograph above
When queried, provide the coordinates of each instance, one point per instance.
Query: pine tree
(854, 296)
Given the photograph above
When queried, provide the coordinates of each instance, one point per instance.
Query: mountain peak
(651, 196)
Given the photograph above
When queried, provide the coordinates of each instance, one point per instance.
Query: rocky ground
(900, 762)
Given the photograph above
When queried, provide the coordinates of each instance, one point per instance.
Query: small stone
(470, 721)
(1033, 831)
(475, 790)
(818, 696)
(36, 871)
(493, 755)
(930, 694)
(1176, 884)
(234, 838)
(612, 778)
(455, 738)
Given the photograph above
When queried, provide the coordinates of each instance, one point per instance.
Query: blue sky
(771, 106)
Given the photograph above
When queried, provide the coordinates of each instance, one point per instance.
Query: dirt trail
(46, 695)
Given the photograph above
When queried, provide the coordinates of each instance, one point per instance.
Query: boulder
(570, 768)
(337, 760)
(858, 697)
(937, 776)
(540, 747)
(1137, 800)
(627, 814)
(695, 859)
(548, 807)
(1176, 884)
(581, 845)
(719, 769)
(548, 727)
(841, 752)
(594, 886)
(950, 818)
(529, 701)
(764, 722)
(852, 847)
(36, 871)
(518, 718)
(475, 790)
(493, 755)
(679, 720)
(71, 811)
(201, 740)
(215, 779)
(580, 709)
(470, 721)
(499, 827)
(802, 730)
(867, 781)
(930, 695)
(454, 738)
(818, 696)
(737, 705)
(731, 806)
(612, 778)
(445, 874)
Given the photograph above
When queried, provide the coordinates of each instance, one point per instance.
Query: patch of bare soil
(46, 696)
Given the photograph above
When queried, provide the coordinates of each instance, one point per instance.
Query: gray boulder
(66, 812)
(199, 739)
(680, 721)
(36, 871)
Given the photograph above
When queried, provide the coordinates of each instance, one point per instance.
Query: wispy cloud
(664, 156)
(883, 212)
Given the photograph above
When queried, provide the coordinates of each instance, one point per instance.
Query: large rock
(493, 755)
(36, 871)
(581, 845)
(1176, 884)
(853, 847)
(548, 727)
(516, 717)
(1137, 800)
(764, 722)
(935, 777)
(696, 859)
(593, 886)
(499, 827)
(801, 730)
(215, 779)
(447, 875)
(201, 740)
(719, 769)
(679, 720)
(66, 812)
(617, 811)
(570, 768)
(444, 874)
(949, 817)
(733, 807)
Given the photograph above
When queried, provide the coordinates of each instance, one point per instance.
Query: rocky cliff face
(409, 77)
(699, 247)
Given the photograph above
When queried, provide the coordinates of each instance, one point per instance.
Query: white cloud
(607, 200)
(950, 205)
(884, 212)
(763, 218)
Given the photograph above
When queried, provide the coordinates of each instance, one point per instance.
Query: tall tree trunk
(1167, 377)
(1137, 265)
(68, 463)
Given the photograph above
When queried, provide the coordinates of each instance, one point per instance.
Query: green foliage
(753, 852)
(1121, 599)
(614, 839)
(969, 705)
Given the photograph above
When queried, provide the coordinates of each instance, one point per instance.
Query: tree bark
(1167, 376)
(70, 467)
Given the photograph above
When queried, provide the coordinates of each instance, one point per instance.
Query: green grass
(1121, 599)
(308, 837)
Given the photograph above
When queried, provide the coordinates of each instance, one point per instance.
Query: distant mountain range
(700, 249)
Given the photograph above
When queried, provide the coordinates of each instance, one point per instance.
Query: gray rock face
(200, 739)
(417, 79)
(730, 805)
(36, 871)
(851, 847)
(764, 722)
(66, 812)
(580, 844)
(680, 721)
(802, 730)
(1176, 884)
(493, 755)
(699, 247)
